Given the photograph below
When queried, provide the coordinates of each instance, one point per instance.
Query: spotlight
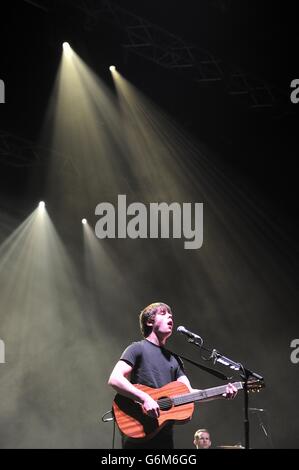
(41, 205)
(84, 221)
(112, 68)
(67, 48)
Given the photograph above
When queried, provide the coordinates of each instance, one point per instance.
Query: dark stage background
(214, 124)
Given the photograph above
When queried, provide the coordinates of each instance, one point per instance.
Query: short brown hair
(147, 314)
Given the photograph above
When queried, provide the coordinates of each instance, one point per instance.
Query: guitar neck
(200, 395)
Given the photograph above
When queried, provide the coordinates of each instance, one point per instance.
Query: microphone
(184, 331)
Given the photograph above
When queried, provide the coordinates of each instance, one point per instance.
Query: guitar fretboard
(200, 395)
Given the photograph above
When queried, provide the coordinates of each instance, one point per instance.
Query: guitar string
(180, 399)
(165, 403)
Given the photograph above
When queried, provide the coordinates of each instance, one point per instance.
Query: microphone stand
(246, 374)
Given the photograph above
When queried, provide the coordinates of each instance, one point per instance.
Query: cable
(107, 420)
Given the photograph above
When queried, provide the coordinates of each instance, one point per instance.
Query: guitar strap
(216, 373)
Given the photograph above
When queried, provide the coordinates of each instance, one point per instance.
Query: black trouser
(163, 440)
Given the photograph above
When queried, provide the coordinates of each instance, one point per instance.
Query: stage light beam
(67, 49)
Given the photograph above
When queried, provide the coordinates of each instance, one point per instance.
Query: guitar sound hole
(165, 403)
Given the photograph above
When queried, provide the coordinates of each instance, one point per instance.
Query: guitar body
(135, 424)
(176, 405)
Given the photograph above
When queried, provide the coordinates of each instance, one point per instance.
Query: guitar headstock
(255, 386)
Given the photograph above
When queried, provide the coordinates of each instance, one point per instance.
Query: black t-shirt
(155, 367)
(152, 365)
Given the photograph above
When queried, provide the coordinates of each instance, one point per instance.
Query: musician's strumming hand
(150, 406)
(230, 392)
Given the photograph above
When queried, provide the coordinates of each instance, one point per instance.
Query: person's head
(156, 317)
(202, 439)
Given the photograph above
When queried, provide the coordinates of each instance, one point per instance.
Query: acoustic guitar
(176, 404)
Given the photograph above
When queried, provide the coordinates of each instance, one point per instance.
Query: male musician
(147, 362)
(202, 439)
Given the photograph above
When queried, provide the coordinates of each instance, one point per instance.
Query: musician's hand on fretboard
(230, 392)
